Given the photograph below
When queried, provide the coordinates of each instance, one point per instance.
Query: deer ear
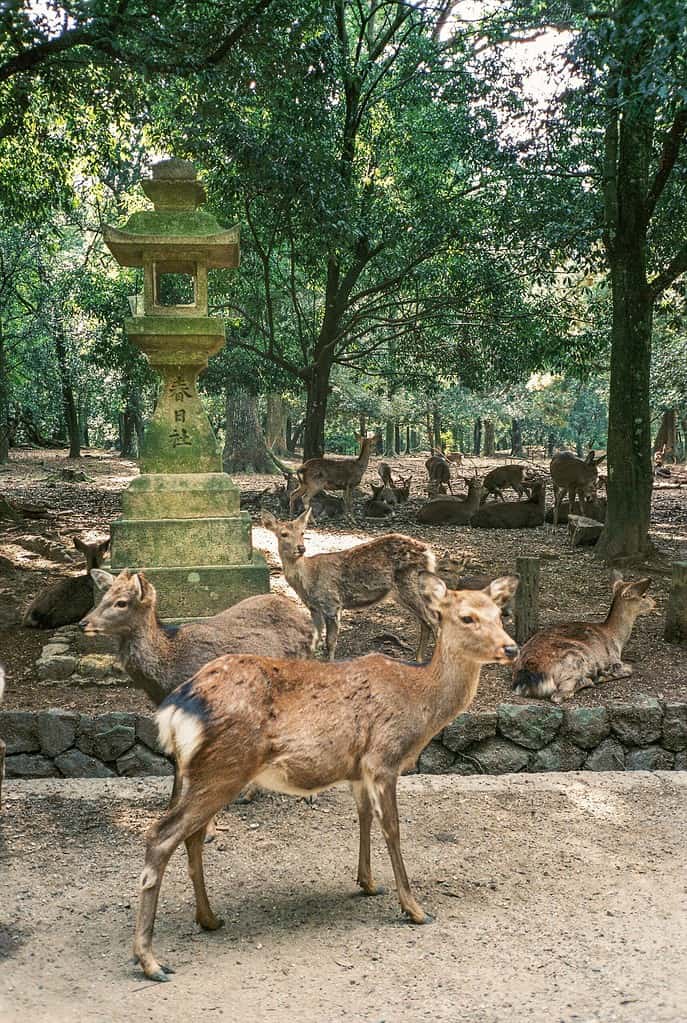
(433, 590)
(599, 460)
(269, 522)
(138, 586)
(616, 580)
(502, 590)
(102, 547)
(304, 518)
(639, 588)
(147, 589)
(79, 544)
(103, 580)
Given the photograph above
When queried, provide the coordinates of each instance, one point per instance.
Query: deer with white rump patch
(344, 474)
(355, 578)
(558, 661)
(301, 727)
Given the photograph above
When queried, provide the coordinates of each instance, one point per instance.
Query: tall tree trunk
(244, 446)
(362, 424)
(316, 411)
(630, 475)
(397, 437)
(408, 447)
(551, 444)
(477, 437)
(69, 407)
(389, 438)
(436, 427)
(275, 427)
(667, 435)
(516, 438)
(489, 442)
(4, 403)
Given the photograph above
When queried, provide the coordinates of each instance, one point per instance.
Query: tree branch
(671, 147)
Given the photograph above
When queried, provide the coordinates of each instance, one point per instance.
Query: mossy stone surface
(180, 496)
(197, 593)
(176, 543)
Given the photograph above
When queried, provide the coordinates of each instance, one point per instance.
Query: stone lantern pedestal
(181, 523)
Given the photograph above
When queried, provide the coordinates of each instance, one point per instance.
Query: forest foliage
(439, 204)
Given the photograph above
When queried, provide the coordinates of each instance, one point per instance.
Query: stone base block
(202, 591)
(170, 543)
(180, 496)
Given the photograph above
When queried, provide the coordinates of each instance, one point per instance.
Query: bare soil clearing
(573, 584)
(549, 906)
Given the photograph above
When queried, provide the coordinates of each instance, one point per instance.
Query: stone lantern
(181, 522)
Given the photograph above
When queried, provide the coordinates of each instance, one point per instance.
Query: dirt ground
(548, 906)
(573, 584)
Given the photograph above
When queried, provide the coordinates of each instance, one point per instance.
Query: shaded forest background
(461, 227)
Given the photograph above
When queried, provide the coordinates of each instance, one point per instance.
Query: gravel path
(557, 898)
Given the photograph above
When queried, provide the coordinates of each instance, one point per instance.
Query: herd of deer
(242, 702)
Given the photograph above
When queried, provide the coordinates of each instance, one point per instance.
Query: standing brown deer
(496, 481)
(344, 474)
(438, 467)
(355, 578)
(573, 477)
(301, 727)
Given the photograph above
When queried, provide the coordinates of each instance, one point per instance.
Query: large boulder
(586, 726)
(107, 736)
(30, 765)
(57, 730)
(140, 761)
(19, 730)
(75, 764)
(639, 723)
(609, 755)
(497, 756)
(468, 729)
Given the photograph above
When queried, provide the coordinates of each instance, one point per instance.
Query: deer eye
(121, 603)
(467, 619)
(284, 533)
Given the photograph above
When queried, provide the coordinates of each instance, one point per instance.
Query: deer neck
(146, 652)
(453, 679)
(620, 621)
(296, 571)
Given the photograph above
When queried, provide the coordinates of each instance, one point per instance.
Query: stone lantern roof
(175, 232)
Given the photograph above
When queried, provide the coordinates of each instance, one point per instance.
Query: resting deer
(68, 600)
(514, 514)
(344, 474)
(381, 504)
(355, 578)
(456, 511)
(159, 658)
(497, 480)
(573, 477)
(323, 505)
(558, 661)
(300, 727)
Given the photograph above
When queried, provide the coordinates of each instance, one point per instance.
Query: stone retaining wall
(645, 735)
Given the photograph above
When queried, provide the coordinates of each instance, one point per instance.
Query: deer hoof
(212, 923)
(375, 889)
(425, 918)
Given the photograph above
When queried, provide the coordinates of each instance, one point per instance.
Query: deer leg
(188, 817)
(382, 792)
(362, 801)
(406, 593)
(194, 850)
(319, 624)
(332, 624)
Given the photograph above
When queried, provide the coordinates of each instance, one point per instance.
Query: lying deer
(355, 578)
(504, 476)
(380, 504)
(344, 474)
(159, 658)
(573, 477)
(67, 601)
(558, 661)
(300, 727)
(392, 492)
(458, 511)
(514, 514)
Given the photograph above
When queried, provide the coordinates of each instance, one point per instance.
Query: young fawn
(355, 578)
(68, 600)
(301, 727)
(344, 474)
(558, 661)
